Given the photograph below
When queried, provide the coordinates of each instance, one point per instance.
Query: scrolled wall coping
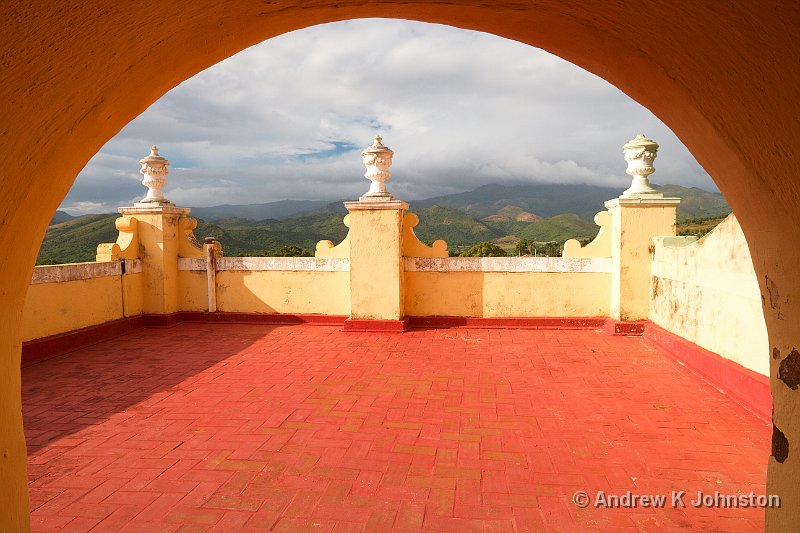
(507, 264)
(675, 242)
(79, 271)
(294, 264)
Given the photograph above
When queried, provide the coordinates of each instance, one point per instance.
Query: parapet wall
(706, 291)
(703, 291)
(63, 298)
(507, 287)
(291, 285)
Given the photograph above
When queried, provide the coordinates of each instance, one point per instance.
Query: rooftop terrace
(252, 427)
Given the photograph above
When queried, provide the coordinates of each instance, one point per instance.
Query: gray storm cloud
(287, 119)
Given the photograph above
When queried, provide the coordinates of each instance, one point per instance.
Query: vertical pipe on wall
(211, 272)
(122, 287)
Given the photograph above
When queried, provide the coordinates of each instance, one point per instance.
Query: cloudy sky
(287, 119)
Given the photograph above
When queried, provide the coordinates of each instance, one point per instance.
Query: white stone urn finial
(154, 169)
(640, 153)
(377, 158)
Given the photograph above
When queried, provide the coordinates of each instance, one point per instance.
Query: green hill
(696, 203)
(60, 216)
(544, 199)
(76, 240)
(456, 228)
(512, 213)
(493, 213)
(547, 200)
(270, 210)
(241, 237)
(559, 228)
(493, 203)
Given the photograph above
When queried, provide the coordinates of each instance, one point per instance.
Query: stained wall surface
(507, 287)
(51, 308)
(326, 293)
(301, 285)
(706, 291)
(64, 298)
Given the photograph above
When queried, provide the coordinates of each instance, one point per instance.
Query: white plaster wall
(706, 291)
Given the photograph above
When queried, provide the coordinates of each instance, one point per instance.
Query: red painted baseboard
(627, 329)
(55, 345)
(383, 326)
(37, 350)
(260, 318)
(748, 387)
(44, 348)
(506, 323)
(162, 321)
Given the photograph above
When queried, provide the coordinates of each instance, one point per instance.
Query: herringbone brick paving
(306, 428)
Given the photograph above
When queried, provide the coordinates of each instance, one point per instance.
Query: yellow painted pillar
(633, 222)
(639, 214)
(376, 265)
(376, 249)
(780, 296)
(158, 232)
(14, 506)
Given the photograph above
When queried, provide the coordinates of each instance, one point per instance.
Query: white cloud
(287, 119)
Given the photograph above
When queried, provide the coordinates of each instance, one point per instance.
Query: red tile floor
(306, 428)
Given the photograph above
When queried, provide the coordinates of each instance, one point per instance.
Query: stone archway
(724, 78)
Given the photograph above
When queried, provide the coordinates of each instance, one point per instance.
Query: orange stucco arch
(723, 76)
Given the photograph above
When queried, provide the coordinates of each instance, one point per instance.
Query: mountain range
(496, 213)
(272, 210)
(542, 199)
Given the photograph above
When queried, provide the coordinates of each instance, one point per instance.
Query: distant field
(698, 226)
